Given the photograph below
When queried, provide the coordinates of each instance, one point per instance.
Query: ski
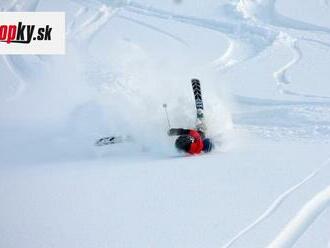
(111, 140)
(197, 90)
(196, 86)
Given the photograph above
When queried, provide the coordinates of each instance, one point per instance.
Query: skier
(191, 141)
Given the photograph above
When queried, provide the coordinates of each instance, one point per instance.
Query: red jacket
(197, 146)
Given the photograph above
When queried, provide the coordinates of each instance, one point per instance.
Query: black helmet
(208, 145)
(183, 142)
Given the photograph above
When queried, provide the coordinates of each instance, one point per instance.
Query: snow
(276, 204)
(303, 220)
(263, 65)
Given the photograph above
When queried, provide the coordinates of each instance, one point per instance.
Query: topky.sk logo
(32, 33)
(21, 33)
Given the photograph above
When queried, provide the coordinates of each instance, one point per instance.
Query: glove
(178, 131)
(173, 132)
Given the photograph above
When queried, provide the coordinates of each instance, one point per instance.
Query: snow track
(19, 5)
(274, 206)
(178, 39)
(21, 67)
(87, 29)
(112, 82)
(244, 32)
(246, 40)
(280, 76)
(89, 19)
(256, 30)
(265, 11)
(303, 220)
(249, 34)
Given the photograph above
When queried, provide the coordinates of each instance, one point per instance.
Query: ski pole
(168, 120)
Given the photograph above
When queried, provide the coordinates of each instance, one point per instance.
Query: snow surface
(264, 67)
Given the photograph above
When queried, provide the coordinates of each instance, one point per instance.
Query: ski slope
(263, 65)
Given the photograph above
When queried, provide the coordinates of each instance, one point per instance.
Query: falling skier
(193, 141)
